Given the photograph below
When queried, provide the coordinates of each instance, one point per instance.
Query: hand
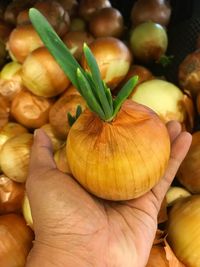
(76, 229)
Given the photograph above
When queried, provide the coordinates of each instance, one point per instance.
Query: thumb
(41, 159)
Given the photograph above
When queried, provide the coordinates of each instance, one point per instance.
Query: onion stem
(90, 85)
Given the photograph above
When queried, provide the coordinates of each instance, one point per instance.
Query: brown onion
(60, 158)
(107, 21)
(198, 103)
(189, 73)
(88, 7)
(14, 157)
(189, 171)
(22, 41)
(75, 40)
(113, 58)
(184, 230)
(58, 113)
(11, 195)
(158, 11)
(15, 240)
(4, 111)
(71, 90)
(56, 142)
(10, 130)
(30, 110)
(42, 75)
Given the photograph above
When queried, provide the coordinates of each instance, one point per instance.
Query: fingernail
(35, 133)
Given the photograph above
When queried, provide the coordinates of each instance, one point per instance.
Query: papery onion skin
(10, 130)
(107, 21)
(15, 240)
(113, 58)
(163, 97)
(60, 158)
(189, 171)
(15, 155)
(122, 159)
(4, 111)
(184, 230)
(30, 110)
(58, 113)
(22, 41)
(157, 257)
(11, 195)
(42, 75)
(56, 142)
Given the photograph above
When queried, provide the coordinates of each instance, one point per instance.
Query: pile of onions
(11, 195)
(113, 58)
(148, 42)
(157, 11)
(22, 41)
(40, 74)
(189, 171)
(184, 230)
(167, 100)
(31, 110)
(14, 157)
(107, 21)
(15, 240)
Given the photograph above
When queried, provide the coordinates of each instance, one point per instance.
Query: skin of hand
(75, 229)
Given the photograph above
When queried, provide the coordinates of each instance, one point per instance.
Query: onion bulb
(184, 230)
(15, 155)
(11, 195)
(42, 75)
(75, 40)
(60, 158)
(198, 103)
(26, 209)
(87, 8)
(30, 110)
(4, 111)
(56, 142)
(114, 149)
(58, 113)
(71, 90)
(148, 42)
(15, 240)
(10, 130)
(189, 73)
(77, 24)
(158, 11)
(166, 99)
(175, 193)
(22, 41)
(106, 22)
(189, 171)
(113, 58)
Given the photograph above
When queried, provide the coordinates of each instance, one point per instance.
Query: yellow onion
(10, 130)
(30, 110)
(60, 158)
(15, 240)
(11, 195)
(113, 58)
(71, 90)
(42, 75)
(189, 171)
(166, 99)
(4, 111)
(87, 8)
(10, 82)
(75, 40)
(58, 113)
(22, 41)
(157, 257)
(15, 155)
(126, 158)
(26, 209)
(107, 21)
(56, 142)
(175, 193)
(198, 103)
(184, 230)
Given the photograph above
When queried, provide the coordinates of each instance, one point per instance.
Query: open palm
(85, 230)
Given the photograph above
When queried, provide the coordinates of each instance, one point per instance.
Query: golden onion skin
(184, 230)
(122, 159)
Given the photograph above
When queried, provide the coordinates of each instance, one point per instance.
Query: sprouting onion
(116, 149)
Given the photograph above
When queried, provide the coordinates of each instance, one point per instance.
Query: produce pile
(98, 99)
